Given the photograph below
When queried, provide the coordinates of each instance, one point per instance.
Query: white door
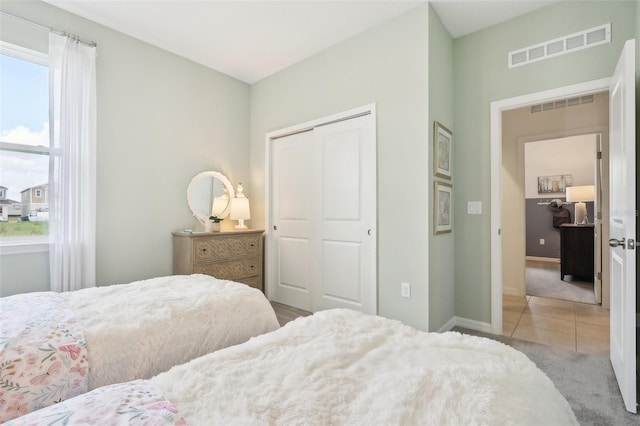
(291, 250)
(323, 203)
(347, 207)
(622, 216)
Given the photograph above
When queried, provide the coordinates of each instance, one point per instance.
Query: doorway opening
(550, 295)
(561, 259)
(504, 180)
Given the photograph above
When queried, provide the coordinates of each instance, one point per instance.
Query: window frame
(25, 244)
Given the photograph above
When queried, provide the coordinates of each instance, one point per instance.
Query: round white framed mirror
(209, 194)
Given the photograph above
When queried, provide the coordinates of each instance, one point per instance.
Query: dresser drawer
(251, 282)
(227, 255)
(230, 269)
(224, 247)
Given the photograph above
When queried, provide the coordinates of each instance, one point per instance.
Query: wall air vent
(562, 103)
(561, 46)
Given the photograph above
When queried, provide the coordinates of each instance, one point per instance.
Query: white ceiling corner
(250, 40)
(462, 17)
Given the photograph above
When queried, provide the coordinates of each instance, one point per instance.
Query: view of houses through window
(24, 143)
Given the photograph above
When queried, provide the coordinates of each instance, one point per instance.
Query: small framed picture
(553, 184)
(442, 144)
(443, 207)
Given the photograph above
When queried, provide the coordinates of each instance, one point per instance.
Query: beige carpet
(543, 280)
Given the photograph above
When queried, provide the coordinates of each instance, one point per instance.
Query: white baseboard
(484, 327)
(543, 259)
(448, 325)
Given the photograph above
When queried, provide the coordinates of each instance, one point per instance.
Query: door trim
(497, 108)
(291, 130)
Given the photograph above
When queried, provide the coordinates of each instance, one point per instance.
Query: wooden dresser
(577, 250)
(234, 255)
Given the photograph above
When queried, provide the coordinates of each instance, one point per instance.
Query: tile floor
(573, 326)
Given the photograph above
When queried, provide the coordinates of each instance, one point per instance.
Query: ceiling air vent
(560, 46)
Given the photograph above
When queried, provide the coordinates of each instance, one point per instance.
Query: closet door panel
(347, 273)
(292, 205)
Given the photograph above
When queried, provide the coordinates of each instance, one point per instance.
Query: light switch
(474, 207)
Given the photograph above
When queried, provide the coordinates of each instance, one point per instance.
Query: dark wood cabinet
(577, 250)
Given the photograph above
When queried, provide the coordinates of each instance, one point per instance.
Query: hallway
(543, 280)
(573, 326)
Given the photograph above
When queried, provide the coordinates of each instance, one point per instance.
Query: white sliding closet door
(323, 253)
(293, 206)
(347, 216)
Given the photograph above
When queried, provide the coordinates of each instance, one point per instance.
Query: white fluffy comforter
(343, 367)
(140, 329)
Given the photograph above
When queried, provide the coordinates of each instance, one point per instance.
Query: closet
(321, 245)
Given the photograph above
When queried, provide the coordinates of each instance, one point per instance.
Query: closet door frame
(369, 109)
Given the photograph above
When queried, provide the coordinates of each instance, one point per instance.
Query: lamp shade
(240, 209)
(581, 193)
(219, 205)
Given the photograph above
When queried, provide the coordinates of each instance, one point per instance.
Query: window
(24, 144)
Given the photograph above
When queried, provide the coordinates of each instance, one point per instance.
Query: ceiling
(250, 40)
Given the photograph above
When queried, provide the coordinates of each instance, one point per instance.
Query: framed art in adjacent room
(443, 207)
(551, 184)
(443, 144)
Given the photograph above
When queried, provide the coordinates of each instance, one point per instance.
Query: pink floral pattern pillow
(43, 355)
(133, 403)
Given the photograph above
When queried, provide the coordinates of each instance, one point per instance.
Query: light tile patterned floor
(569, 325)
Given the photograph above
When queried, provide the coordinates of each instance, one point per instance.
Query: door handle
(617, 243)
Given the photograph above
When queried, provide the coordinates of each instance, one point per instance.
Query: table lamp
(240, 208)
(578, 195)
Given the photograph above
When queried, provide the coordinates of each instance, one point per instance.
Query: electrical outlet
(405, 289)
(541, 241)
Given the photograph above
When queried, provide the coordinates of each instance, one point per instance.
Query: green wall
(23, 273)
(481, 77)
(388, 66)
(441, 261)
(161, 120)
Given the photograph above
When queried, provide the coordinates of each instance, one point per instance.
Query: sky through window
(24, 119)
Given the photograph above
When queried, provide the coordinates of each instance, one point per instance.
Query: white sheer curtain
(72, 169)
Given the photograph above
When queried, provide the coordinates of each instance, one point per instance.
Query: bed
(58, 345)
(334, 367)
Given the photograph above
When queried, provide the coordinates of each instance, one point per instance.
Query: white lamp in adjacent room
(578, 195)
(240, 208)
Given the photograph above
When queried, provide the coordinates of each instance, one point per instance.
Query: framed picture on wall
(443, 144)
(553, 184)
(443, 207)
